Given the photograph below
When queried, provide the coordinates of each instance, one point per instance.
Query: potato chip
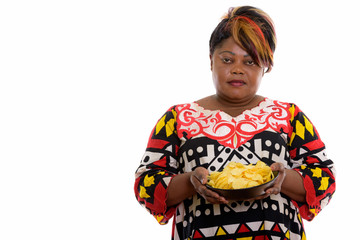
(237, 175)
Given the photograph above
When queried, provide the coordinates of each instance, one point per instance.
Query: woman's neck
(236, 104)
(232, 107)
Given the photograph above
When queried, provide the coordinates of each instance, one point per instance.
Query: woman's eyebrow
(232, 53)
(227, 52)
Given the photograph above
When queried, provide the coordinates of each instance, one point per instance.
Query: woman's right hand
(198, 179)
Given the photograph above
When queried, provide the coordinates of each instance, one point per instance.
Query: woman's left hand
(276, 188)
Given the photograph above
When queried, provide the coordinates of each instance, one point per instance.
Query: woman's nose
(237, 69)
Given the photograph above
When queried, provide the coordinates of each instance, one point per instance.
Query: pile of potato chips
(237, 175)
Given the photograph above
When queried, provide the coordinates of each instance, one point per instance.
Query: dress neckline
(260, 104)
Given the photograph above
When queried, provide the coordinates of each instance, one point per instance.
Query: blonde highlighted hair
(252, 29)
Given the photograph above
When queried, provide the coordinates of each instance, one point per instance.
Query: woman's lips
(236, 83)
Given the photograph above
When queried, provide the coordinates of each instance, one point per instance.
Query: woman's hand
(276, 188)
(198, 179)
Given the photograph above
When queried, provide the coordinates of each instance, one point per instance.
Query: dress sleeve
(158, 166)
(308, 155)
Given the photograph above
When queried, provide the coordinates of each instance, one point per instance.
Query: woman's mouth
(236, 83)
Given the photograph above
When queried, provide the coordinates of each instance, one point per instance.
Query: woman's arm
(293, 186)
(179, 189)
(157, 168)
(288, 182)
(308, 154)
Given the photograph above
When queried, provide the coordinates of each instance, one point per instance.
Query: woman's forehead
(230, 46)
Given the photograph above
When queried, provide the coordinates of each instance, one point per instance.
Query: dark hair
(252, 29)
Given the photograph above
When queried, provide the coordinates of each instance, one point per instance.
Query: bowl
(245, 193)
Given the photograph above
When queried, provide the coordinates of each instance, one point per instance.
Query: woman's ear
(211, 62)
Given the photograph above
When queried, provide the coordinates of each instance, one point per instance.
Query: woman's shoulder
(175, 109)
(286, 104)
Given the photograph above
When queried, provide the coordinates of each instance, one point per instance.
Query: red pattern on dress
(232, 131)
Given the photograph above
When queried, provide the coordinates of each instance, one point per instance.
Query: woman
(192, 140)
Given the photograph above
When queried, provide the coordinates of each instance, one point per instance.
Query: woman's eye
(226, 60)
(250, 62)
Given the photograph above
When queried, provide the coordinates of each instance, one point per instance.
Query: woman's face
(235, 74)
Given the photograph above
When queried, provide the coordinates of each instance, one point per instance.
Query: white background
(82, 83)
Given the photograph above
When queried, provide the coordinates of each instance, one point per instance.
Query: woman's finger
(201, 174)
(207, 194)
(277, 167)
(276, 188)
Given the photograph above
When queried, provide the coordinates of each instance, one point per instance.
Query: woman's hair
(252, 29)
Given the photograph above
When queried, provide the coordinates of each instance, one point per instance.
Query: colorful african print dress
(188, 136)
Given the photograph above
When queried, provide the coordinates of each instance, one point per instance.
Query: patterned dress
(188, 136)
